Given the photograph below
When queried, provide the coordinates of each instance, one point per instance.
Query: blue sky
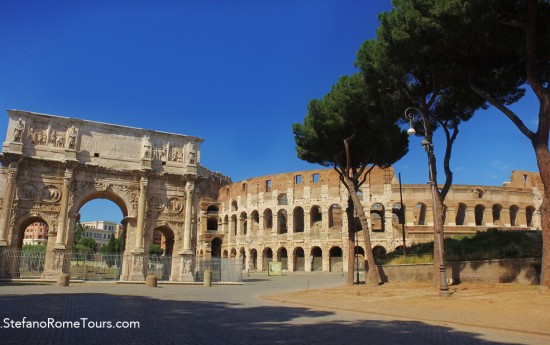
(236, 73)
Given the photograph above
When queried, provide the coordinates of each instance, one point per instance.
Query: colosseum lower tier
(299, 218)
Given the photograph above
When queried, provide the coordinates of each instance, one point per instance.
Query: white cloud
(491, 175)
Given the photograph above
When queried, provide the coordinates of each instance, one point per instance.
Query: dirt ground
(513, 306)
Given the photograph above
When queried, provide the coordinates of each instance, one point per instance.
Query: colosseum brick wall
(299, 218)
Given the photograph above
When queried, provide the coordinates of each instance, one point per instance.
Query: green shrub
(34, 248)
(155, 249)
(484, 245)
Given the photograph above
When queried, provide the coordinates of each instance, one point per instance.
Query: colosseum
(299, 218)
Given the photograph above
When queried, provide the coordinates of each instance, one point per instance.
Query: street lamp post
(429, 148)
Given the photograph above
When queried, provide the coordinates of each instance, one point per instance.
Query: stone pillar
(535, 222)
(324, 220)
(488, 217)
(138, 267)
(470, 217)
(248, 260)
(240, 224)
(229, 229)
(225, 226)
(186, 257)
(307, 258)
(410, 219)
(71, 224)
(64, 210)
(275, 222)
(290, 221)
(521, 218)
(142, 209)
(505, 217)
(190, 188)
(260, 224)
(8, 203)
(290, 261)
(387, 222)
(326, 260)
(307, 221)
(57, 264)
(260, 262)
(182, 268)
(429, 215)
(450, 216)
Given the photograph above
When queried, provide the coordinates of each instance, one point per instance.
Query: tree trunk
(540, 144)
(438, 231)
(543, 160)
(373, 276)
(351, 242)
(437, 205)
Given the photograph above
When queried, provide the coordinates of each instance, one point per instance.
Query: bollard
(63, 279)
(151, 280)
(207, 281)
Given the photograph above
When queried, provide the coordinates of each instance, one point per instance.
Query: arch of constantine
(52, 166)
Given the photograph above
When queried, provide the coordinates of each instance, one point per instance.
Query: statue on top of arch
(18, 131)
(72, 133)
(146, 148)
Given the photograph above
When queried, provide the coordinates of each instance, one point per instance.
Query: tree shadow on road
(198, 322)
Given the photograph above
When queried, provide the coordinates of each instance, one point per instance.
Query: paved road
(183, 314)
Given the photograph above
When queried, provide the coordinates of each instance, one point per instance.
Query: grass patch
(411, 259)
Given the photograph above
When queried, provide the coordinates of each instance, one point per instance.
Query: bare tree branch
(509, 113)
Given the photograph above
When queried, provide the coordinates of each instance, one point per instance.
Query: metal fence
(160, 266)
(223, 269)
(20, 264)
(99, 267)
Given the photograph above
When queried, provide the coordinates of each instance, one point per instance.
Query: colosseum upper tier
(299, 218)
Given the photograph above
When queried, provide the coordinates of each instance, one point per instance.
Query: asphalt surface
(221, 314)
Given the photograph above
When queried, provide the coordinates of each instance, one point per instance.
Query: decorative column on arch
(189, 188)
(8, 202)
(138, 260)
(186, 255)
(142, 210)
(64, 211)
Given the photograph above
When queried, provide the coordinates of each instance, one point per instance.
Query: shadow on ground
(191, 322)
(16, 283)
(254, 280)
